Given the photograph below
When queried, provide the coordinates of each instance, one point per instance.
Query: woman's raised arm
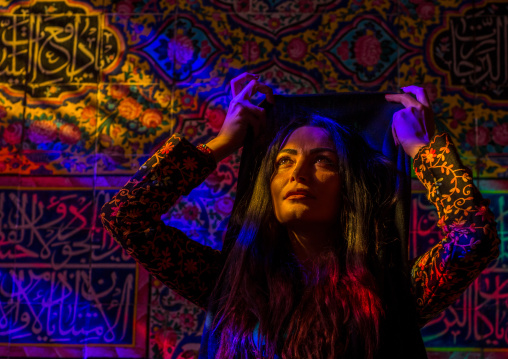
(413, 126)
(133, 216)
(241, 114)
(470, 242)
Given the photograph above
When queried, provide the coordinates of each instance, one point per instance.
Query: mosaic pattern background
(89, 88)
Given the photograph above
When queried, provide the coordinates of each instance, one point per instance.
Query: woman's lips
(298, 195)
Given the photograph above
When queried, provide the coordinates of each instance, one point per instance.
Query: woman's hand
(413, 126)
(241, 114)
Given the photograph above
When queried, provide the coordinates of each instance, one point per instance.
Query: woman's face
(306, 183)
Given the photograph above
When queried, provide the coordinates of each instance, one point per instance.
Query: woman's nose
(301, 172)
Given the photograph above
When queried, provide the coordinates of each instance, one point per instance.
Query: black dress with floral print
(438, 277)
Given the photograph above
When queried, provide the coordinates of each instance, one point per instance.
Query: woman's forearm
(470, 240)
(133, 217)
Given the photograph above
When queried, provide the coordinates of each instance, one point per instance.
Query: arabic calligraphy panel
(45, 308)
(66, 51)
(483, 326)
(469, 48)
(114, 286)
(70, 305)
(51, 272)
(491, 69)
(72, 43)
(114, 321)
(47, 246)
(451, 329)
(52, 208)
(68, 43)
(118, 315)
(15, 35)
(9, 219)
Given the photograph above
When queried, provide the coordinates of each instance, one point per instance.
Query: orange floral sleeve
(133, 217)
(470, 241)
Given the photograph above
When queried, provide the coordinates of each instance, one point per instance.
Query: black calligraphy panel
(471, 50)
(63, 280)
(44, 306)
(15, 42)
(55, 44)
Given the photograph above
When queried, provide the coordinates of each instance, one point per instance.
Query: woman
(306, 277)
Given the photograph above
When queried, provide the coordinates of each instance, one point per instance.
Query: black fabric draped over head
(371, 115)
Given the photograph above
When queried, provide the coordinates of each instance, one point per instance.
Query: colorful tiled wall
(89, 88)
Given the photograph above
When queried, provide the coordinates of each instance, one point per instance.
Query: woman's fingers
(408, 100)
(253, 87)
(267, 91)
(246, 92)
(239, 82)
(412, 126)
(419, 92)
(405, 99)
(241, 115)
(255, 115)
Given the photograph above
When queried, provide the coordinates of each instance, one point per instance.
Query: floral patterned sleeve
(440, 275)
(133, 217)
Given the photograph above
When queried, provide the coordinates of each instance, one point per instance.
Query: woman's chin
(303, 220)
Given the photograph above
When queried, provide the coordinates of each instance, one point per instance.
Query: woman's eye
(284, 161)
(326, 161)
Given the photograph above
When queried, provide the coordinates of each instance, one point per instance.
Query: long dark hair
(268, 304)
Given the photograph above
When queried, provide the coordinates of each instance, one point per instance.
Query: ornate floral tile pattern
(88, 89)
